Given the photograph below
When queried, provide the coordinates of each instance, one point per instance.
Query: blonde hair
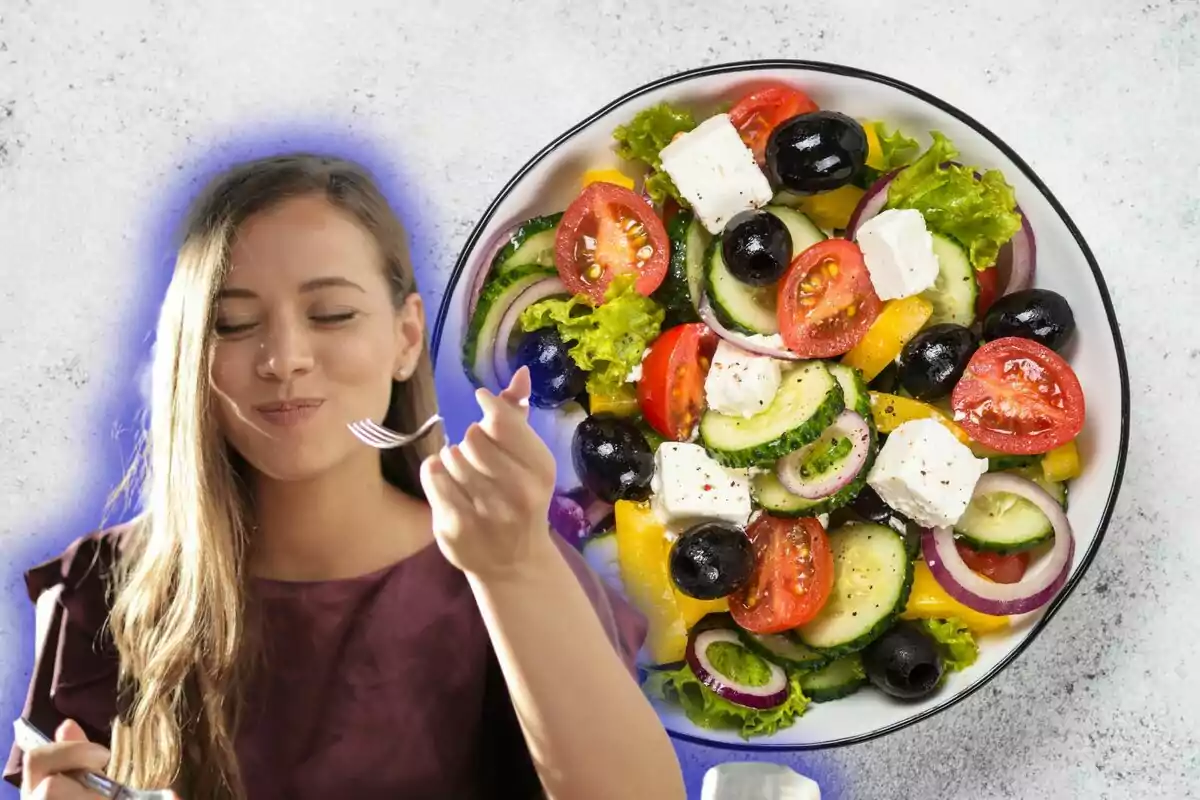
(179, 614)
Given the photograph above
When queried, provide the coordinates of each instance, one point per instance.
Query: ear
(410, 336)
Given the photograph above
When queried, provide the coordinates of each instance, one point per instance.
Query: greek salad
(813, 418)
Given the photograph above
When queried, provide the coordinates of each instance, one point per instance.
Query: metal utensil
(370, 433)
(28, 737)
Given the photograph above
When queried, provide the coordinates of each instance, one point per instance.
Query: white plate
(1065, 264)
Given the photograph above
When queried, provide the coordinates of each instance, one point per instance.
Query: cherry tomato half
(988, 281)
(609, 230)
(826, 301)
(993, 566)
(1020, 397)
(792, 578)
(671, 389)
(761, 111)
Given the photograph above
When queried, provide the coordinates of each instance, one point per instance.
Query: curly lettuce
(644, 137)
(977, 212)
(609, 339)
(895, 149)
(708, 710)
(955, 642)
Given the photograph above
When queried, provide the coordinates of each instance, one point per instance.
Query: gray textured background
(107, 109)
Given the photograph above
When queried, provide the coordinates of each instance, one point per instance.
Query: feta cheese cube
(688, 485)
(898, 250)
(715, 171)
(739, 383)
(924, 472)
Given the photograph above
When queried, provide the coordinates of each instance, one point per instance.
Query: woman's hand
(491, 493)
(44, 775)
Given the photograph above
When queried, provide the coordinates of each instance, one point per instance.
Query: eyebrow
(307, 286)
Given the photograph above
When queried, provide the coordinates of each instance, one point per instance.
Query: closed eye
(223, 329)
(334, 319)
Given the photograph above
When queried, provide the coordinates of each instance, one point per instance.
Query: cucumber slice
(680, 291)
(751, 309)
(784, 650)
(839, 679)
(531, 243)
(498, 294)
(808, 400)
(872, 575)
(854, 390)
(953, 294)
(1004, 523)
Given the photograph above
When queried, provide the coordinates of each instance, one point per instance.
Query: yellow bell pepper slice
(832, 210)
(1062, 463)
(899, 322)
(642, 549)
(874, 148)
(890, 411)
(607, 176)
(928, 600)
(621, 403)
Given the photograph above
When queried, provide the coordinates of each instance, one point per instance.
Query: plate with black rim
(550, 180)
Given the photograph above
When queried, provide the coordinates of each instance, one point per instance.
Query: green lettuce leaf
(897, 149)
(609, 339)
(955, 641)
(980, 214)
(644, 137)
(708, 710)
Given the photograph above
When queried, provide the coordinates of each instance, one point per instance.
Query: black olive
(887, 380)
(757, 248)
(904, 662)
(933, 361)
(1038, 314)
(711, 560)
(554, 376)
(816, 152)
(870, 506)
(612, 458)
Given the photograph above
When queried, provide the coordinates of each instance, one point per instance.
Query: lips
(286, 413)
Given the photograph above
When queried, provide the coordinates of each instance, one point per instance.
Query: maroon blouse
(381, 686)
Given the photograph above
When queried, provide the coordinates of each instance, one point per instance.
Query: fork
(375, 435)
(29, 737)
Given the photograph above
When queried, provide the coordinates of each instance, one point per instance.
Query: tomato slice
(993, 566)
(793, 575)
(761, 111)
(609, 230)
(671, 389)
(826, 301)
(1020, 397)
(988, 282)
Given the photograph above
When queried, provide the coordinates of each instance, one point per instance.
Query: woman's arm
(590, 730)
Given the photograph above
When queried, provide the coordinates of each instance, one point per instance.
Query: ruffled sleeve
(76, 668)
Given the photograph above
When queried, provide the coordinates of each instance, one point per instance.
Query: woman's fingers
(61, 787)
(71, 751)
(440, 485)
(488, 458)
(508, 427)
(518, 390)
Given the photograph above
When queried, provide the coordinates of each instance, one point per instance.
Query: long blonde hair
(179, 612)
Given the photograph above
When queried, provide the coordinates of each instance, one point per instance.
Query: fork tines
(370, 433)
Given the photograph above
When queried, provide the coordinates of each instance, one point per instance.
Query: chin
(294, 463)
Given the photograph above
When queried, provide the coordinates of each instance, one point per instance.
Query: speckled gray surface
(105, 112)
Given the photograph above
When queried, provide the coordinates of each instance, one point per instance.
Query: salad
(813, 419)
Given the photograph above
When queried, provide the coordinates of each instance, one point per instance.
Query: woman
(278, 621)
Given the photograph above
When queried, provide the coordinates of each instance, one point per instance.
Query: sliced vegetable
(826, 302)
(1041, 582)
(784, 649)
(644, 137)
(608, 231)
(872, 575)
(928, 600)
(994, 566)
(681, 289)
(621, 403)
(671, 390)
(808, 400)
(898, 322)
(998, 521)
(609, 175)
(499, 295)
(1019, 397)
(955, 292)
(831, 210)
(891, 411)
(840, 678)
(761, 111)
(760, 345)
(734, 672)
(1062, 463)
(504, 351)
(531, 242)
(828, 465)
(793, 575)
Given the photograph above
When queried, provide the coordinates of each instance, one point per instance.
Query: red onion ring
(871, 203)
(773, 693)
(483, 267)
(1040, 584)
(847, 424)
(567, 518)
(548, 287)
(705, 310)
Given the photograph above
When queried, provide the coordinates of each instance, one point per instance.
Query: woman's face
(307, 338)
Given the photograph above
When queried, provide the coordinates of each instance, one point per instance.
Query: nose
(285, 352)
